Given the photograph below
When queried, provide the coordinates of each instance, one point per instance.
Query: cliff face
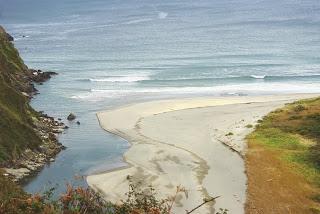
(9, 37)
(23, 131)
(16, 127)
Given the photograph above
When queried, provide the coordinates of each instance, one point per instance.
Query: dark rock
(52, 137)
(71, 116)
(9, 37)
(78, 122)
(66, 127)
(39, 76)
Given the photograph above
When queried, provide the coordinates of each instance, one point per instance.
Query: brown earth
(273, 186)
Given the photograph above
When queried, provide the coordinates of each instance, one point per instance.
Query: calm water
(109, 53)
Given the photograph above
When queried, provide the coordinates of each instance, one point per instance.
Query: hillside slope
(283, 161)
(16, 128)
(24, 133)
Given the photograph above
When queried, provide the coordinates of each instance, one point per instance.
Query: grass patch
(315, 210)
(300, 163)
(294, 132)
(273, 137)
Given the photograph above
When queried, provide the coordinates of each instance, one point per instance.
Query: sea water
(110, 53)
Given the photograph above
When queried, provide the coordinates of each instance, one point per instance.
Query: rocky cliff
(27, 138)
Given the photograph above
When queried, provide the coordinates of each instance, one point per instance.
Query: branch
(205, 201)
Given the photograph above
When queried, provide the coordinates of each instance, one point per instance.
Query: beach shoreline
(182, 142)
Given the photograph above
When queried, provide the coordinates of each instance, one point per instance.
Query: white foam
(120, 79)
(162, 15)
(258, 76)
(136, 21)
(233, 89)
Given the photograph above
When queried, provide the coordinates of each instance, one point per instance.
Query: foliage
(86, 201)
(143, 201)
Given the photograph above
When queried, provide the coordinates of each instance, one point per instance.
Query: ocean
(110, 53)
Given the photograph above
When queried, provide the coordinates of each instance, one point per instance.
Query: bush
(299, 108)
(86, 201)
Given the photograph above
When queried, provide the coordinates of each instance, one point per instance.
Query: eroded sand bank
(186, 142)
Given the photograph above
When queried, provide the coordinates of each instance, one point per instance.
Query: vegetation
(293, 133)
(229, 134)
(249, 126)
(16, 115)
(84, 200)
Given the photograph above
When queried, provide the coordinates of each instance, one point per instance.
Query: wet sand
(196, 143)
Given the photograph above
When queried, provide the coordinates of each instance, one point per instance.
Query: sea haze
(110, 53)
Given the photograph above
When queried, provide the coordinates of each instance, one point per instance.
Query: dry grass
(273, 187)
(283, 161)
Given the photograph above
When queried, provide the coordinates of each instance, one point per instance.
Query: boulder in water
(71, 117)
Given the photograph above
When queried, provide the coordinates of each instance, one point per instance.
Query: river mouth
(110, 53)
(186, 142)
(89, 150)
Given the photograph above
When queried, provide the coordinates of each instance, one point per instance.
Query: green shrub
(299, 108)
(86, 201)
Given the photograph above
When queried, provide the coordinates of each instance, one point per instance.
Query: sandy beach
(197, 143)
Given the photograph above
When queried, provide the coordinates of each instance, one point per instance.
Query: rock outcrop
(39, 76)
(71, 117)
(28, 139)
(7, 35)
